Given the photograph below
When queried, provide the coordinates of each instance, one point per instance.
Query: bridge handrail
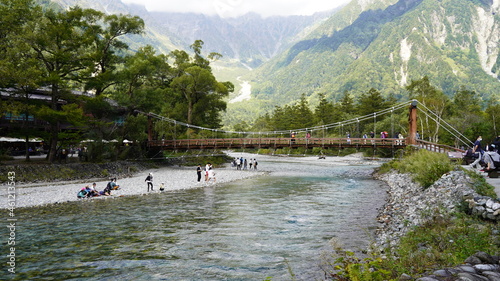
(437, 147)
(285, 141)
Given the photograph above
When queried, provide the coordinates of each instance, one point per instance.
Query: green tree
(432, 99)
(60, 42)
(324, 113)
(107, 50)
(144, 81)
(465, 120)
(370, 102)
(200, 97)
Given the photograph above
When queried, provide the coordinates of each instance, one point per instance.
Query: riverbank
(175, 178)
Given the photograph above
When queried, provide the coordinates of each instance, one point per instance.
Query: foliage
(361, 48)
(347, 266)
(441, 242)
(480, 185)
(64, 51)
(425, 166)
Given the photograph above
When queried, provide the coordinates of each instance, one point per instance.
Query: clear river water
(278, 225)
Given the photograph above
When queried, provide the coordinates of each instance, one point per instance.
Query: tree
(60, 42)
(199, 95)
(324, 113)
(465, 120)
(432, 99)
(371, 102)
(107, 51)
(144, 81)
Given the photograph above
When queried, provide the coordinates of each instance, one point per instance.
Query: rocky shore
(409, 204)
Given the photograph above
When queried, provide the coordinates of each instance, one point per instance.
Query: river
(277, 225)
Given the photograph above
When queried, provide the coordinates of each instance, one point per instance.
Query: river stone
(427, 279)
(495, 206)
(473, 260)
(442, 273)
(405, 277)
(465, 276)
(484, 257)
(487, 267)
(494, 276)
(466, 268)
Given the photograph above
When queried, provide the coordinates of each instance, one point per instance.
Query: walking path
(495, 182)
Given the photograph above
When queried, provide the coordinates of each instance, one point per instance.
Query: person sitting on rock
(491, 158)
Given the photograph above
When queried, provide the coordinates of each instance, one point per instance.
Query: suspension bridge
(303, 137)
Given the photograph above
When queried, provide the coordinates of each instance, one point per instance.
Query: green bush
(425, 166)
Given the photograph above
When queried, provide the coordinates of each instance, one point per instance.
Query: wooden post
(412, 120)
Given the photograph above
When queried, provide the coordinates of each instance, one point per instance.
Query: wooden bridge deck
(276, 143)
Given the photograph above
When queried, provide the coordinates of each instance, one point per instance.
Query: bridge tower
(412, 120)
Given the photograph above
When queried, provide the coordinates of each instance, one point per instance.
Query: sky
(233, 8)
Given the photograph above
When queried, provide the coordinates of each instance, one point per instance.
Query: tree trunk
(53, 143)
(27, 146)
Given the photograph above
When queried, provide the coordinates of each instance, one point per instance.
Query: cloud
(233, 8)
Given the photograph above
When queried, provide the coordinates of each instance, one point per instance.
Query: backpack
(82, 193)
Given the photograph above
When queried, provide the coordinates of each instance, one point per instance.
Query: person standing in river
(149, 181)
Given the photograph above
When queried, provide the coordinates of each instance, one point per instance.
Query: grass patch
(442, 242)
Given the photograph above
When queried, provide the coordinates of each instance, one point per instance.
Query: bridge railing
(442, 148)
(276, 143)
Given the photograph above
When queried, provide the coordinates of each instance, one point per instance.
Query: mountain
(385, 45)
(250, 39)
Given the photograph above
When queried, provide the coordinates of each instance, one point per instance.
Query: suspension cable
(320, 127)
(447, 124)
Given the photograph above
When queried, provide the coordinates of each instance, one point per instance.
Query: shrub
(425, 166)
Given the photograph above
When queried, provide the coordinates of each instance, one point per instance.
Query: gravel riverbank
(175, 178)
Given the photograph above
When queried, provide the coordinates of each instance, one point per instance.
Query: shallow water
(269, 226)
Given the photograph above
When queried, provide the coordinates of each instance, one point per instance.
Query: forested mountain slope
(453, 42)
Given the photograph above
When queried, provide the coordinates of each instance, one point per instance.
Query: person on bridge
(478, 151)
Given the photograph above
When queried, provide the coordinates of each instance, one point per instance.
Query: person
(238, 164)
(255, 164)
(245, 164)
(207, 167)
(83, 193)
(211, 174)
(162, 186)
(149, 181)
(417, 135)
(198, 172)
(491, 158)
(250, 162)
(478, 151)
(93, 191)
(106, 191)
(112, 184)
(348, 137)
(496, 142)
(400, 137)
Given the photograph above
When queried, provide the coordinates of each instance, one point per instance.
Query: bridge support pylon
(412, 120)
